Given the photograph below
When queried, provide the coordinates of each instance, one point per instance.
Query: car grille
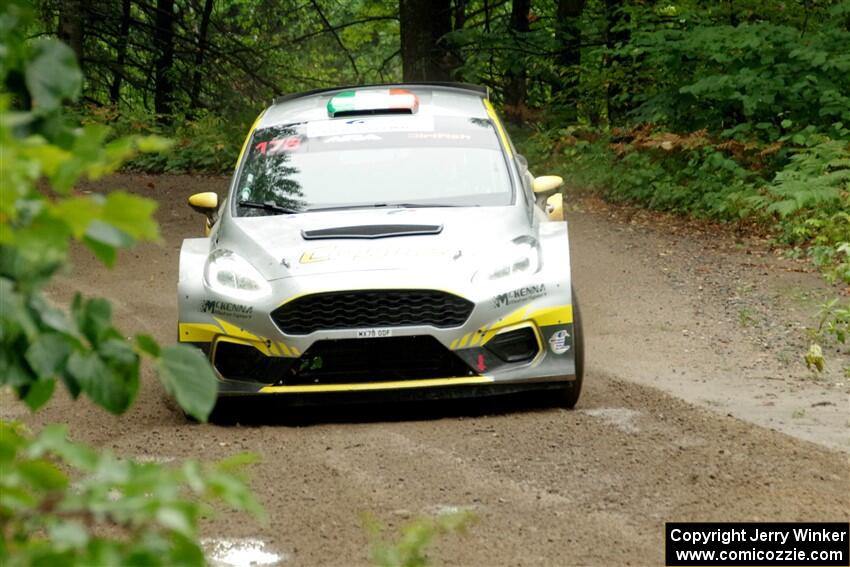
(371, 308)
(347, 361)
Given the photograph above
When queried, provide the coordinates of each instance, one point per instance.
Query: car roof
(435, 99)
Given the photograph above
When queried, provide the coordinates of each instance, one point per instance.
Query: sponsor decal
(518, 295)
(376, 125)
(558, 342)
(438, 136)
(352, 138)
(226, 308)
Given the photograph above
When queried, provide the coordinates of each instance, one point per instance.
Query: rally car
(378, 240)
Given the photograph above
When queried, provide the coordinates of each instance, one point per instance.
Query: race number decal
(278, 145)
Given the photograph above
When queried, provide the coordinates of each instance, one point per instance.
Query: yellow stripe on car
(367, 386)
(556, 315)
(248, 137)
(224, 331)
(491, 112)
(198, 332)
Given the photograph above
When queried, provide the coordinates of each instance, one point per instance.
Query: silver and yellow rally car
(383, 239)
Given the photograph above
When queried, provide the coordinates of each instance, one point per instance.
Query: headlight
(522, 258)
(229, 274)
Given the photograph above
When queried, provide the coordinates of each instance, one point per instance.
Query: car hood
(460, 238)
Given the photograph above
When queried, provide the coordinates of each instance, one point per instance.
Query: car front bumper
(538, 307)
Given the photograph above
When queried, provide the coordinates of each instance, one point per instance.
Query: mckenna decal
(558, 342)
(521, 294)
(226, 308)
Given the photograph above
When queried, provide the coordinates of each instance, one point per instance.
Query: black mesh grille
(514, 346)
(372, 308)
(348, 361)
(244, 362)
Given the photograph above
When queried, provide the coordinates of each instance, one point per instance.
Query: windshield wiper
(384, 206)
(269, 206)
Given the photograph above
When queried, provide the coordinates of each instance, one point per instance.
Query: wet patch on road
(446, 509)
(621, 418)
(241, 552)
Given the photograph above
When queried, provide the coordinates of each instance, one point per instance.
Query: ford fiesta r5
(383, 239)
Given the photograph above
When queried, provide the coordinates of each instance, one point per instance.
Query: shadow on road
(271, 411)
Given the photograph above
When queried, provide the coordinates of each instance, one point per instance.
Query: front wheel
(568, 395)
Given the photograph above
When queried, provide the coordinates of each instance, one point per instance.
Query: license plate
(373, 333)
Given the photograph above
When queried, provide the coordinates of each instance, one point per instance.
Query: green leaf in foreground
(64, 503)
(186, 374)
(38, 393)
(53, 75)
(148, 345)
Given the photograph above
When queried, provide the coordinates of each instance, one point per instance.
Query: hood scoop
(372, 231)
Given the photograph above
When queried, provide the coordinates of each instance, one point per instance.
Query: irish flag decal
(375, 100)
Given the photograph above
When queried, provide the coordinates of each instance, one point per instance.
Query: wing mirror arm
(546, 192)
(206, 204)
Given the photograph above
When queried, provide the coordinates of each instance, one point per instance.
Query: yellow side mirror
(205, 203)
(547, 183)
(555, 207)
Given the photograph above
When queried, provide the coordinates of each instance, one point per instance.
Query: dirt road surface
(697, 407)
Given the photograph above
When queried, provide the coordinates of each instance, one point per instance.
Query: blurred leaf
(148, 345)
(103, 252)
(53, 75)
(78, 212)
(38, 393)
(131, 214)
(152, 143)
(42, 474)
(186, 374)
(106, 387)
(48, 353)
(95, 319)
(68, 534)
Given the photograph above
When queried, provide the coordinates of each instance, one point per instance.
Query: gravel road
(696, 407)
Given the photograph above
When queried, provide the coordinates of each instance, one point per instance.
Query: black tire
(224, 412)
(569, 394)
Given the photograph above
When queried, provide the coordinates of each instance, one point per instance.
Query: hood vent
(372, 231)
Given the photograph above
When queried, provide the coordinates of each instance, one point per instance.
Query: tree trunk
(515, 76)
(70, 28)
(616, 36)
(423, 23)
(164, 42)
(118, 69)
(568, 35)
(199, 56)
(460, 14)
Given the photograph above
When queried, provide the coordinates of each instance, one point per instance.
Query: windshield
(373, 161)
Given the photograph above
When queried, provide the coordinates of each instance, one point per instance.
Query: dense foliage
(43, 157)
(107, 510)
(62, 503)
